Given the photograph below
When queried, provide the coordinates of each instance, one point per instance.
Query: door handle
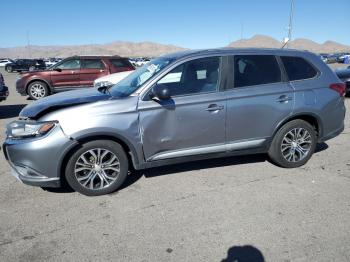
(214, 107)
(283, 99)
(102, 70)
(73, 72)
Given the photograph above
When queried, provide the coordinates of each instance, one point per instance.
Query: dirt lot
(202, 211)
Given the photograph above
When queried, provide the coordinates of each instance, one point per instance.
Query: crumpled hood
(82, 96)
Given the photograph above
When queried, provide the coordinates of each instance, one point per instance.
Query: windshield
(140, 76)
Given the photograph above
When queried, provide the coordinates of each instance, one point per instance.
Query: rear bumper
(21, 87)
(332, 134)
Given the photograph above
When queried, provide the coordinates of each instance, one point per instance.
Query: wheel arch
(308, 117)
(91, 136)
(38, 80)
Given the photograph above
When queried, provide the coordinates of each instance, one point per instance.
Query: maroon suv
(70, 73)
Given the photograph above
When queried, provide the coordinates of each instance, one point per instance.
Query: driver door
(192, 122)
(66, 74)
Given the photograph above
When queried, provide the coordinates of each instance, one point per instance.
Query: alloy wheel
(38, 91)
(296, 144)
(97, 168)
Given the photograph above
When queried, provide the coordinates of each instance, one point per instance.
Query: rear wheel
(37, 90)
(97, 168)
(294, 144)
(9, 69)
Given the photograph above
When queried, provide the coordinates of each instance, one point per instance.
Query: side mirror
(57, 69)
(162, 92)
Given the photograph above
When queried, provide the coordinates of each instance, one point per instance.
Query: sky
(185, 23)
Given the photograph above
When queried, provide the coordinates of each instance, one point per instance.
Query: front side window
(251, 70)
(193, 77)
(92, 64)
(69, 64)
(298, 68)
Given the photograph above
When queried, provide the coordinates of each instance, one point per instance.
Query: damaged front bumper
(38, 161)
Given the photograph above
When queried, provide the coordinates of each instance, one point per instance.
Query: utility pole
(290, 27)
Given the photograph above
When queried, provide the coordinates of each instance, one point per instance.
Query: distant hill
(151, 49)
(128, 49)
(300, 43)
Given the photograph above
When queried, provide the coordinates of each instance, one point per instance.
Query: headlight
(23, 129)
(103, 83)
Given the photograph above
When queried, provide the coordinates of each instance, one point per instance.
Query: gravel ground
(202, 211)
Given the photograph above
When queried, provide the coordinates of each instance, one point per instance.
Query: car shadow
(244, 254)
(10, 111)
(321, 147)
(135, 175)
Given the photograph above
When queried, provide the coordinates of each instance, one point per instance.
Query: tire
(9, 69)
(293, 144)
(89, 175)
(31, 68)
(37, 90)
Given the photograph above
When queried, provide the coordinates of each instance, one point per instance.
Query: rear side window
(121, 63)
(253, 70)
(298, 68)
(92, 64)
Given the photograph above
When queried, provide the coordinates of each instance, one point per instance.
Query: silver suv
(180, 107)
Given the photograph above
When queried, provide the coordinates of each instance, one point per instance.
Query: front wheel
(9, 69)
(97, 168)
(37, 90)
(294, 144)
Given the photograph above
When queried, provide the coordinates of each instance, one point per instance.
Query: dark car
(344, 75)
(20, 65)
(71, 73)
(4, 91)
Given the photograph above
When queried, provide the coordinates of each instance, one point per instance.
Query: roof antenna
(290, 27)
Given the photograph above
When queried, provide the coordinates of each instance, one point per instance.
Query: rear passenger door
(258, 99)
(91, 69)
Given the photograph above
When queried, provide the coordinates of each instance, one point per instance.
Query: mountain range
(299, 43)
(151, 49)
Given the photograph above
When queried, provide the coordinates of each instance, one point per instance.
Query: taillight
(339, 87)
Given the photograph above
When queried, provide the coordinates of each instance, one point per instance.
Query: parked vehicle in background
(5, 61)
(4, 91)
(20, 65)
(70, 73)
(344, 75)
(180, 107)
(51, 61)
(112, 79)
(341, 58)
(141, 61)
(324, 57)
(332, 59)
